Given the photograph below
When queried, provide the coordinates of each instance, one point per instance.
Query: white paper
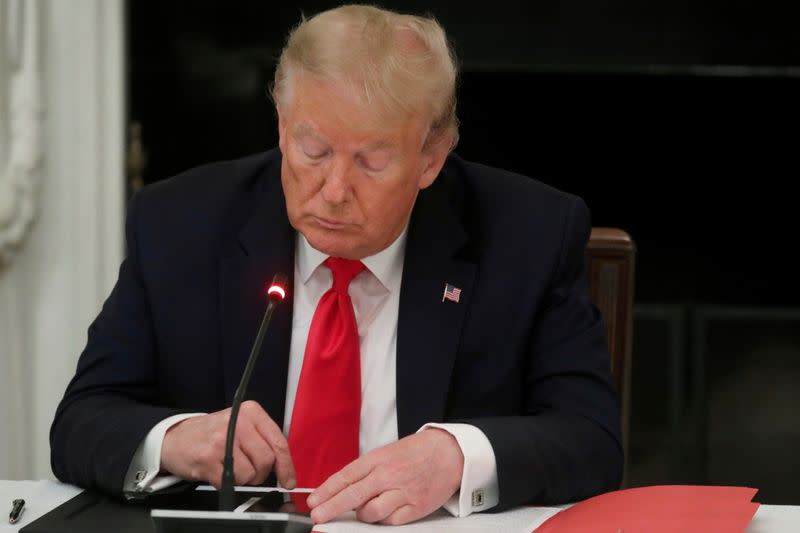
(246, 505)
(521, 520)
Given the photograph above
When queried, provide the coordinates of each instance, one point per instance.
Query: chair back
(610, 255)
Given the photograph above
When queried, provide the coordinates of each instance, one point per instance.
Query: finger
(381, 506)
(284, 467)
(260, 456)
(258, 453)
(350, 474)
(348, 499)
(403, 515)
(214, 475)
(243, 470)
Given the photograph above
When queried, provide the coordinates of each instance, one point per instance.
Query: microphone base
(176, 521)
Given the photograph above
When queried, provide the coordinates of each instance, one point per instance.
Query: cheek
(292, 190)
(300, 179)
(390, 207)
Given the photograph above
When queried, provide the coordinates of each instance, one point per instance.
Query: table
(44, 495)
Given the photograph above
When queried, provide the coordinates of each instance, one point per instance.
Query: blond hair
(402, 62)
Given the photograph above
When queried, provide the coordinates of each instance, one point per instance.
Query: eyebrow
(303, 130)
(380, 145)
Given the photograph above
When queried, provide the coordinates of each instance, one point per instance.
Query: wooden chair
(610, 256)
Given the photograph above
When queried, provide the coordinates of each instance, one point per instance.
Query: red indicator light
(276, 291)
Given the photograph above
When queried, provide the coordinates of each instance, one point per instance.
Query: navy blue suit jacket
(522, 356)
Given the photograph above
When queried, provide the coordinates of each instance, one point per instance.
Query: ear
(434, 154)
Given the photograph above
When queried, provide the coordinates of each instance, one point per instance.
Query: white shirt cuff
(479, 490)
(142, 476)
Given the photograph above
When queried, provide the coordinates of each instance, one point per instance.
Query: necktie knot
(344, 270)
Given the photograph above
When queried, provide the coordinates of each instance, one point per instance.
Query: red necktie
(323, 436)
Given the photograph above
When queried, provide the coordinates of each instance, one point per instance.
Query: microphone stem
(227, 500)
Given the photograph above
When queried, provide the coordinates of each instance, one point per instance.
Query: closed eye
(315, 155)
(313, 149)
(374, 162)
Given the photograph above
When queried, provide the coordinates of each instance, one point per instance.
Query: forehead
(331, 110)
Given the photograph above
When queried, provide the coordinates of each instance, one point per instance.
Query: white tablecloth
(42, 496)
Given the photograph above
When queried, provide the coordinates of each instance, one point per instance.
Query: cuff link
(477, 498)
(140, 475)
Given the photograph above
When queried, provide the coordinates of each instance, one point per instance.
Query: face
(350, 180)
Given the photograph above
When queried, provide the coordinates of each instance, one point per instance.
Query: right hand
(194, 449)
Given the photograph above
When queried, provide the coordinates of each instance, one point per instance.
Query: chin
(329, 243)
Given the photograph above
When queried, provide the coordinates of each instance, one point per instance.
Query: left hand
(395, 484)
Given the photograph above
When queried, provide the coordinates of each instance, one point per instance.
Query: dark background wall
(675, 120)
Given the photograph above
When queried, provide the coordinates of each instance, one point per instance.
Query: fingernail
(291, 483)
(315, 518)
(311, 501)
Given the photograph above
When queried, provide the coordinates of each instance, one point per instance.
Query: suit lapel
(429, 329)
(265, 247)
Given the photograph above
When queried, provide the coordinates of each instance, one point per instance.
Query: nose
(336, 188)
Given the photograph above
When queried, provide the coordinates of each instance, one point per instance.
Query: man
(440, 348)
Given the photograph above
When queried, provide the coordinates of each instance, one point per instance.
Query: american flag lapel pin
(451, 292)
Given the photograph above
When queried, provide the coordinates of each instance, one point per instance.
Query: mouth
(329, 224)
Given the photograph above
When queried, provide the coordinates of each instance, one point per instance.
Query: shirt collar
(386, 265)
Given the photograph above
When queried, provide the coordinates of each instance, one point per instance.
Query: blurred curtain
(21, 150)
(61, 204)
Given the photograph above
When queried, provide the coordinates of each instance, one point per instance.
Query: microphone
(276, 292)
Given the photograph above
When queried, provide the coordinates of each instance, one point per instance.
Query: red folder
(659, 509)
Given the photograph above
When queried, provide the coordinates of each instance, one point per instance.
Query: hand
(194, 448)
(396, 484)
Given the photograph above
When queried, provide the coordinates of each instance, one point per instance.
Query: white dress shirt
(375, 293)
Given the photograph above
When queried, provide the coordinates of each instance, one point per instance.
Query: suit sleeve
(565, 445)
(110, 404)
